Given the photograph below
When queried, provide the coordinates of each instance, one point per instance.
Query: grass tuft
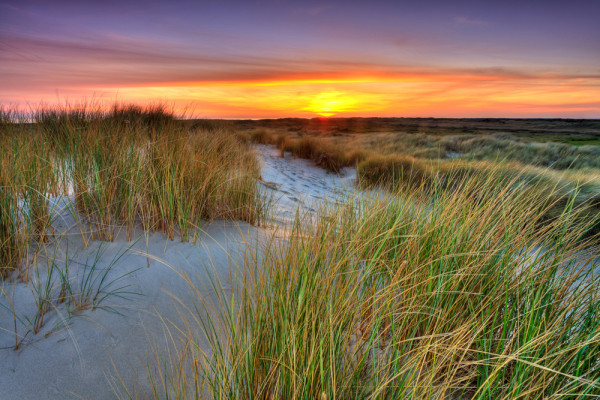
(126, 166)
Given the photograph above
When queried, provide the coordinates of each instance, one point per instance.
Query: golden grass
(425, 294)
(128, 166)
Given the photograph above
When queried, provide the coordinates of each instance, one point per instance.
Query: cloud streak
(126, 62)
(463, 20)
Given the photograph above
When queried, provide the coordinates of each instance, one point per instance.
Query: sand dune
(72, 357)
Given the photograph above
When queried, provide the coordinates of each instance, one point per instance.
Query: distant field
(559, 144)
(539, 130)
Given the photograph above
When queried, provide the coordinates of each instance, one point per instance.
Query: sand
(298, 184)
(78, 356)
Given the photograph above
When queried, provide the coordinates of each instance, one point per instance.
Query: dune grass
(62, 288)
(124, 166)
(316, 149)
(393, 159)
(469, 281)
(112, 170)
(425, 294)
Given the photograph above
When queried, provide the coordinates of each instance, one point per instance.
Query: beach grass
(123, 166)
(426, 293)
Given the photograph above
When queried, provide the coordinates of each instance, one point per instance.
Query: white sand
(71, 358)
(301, 185)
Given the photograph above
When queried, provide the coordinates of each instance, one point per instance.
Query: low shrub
(394, 170)
(261, 136)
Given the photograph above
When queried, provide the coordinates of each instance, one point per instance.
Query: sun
(330, 103)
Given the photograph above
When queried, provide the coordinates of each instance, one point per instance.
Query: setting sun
(330, 103)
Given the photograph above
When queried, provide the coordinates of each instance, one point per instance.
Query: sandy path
(299, 184)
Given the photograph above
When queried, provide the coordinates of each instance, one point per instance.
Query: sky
(284, 58)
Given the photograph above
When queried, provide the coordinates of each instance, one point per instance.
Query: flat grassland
(556, 143)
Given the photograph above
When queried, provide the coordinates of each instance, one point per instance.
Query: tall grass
(394, 170)
(126, 166)
(430, 294)
(10, 246)
(25, 181)
(11, 239)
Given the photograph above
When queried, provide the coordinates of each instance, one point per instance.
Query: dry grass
(128, 166)
(320, 150)
(427, 156)
(390, 170)
(428, 294)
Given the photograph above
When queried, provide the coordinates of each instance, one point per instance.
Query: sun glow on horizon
(331, 103)
(438, 96)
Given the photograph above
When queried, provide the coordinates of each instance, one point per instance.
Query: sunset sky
(279, 58)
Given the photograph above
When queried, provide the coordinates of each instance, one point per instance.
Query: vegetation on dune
(425, 294)
(472, 278)
(392, 170)
(389, 158)
(493, 147)
(320, 152)
(126, 166)
(11, 239)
